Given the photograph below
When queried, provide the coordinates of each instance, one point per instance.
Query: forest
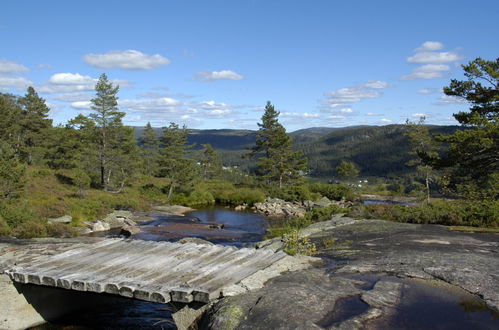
(94, 164)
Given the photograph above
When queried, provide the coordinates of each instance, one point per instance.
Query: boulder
(130, 230)
(100, 226)
(323, 202)
(63, 219)
(119, 218)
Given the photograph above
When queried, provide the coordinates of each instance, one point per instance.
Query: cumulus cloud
(430, 46)
(419, 115)
(7, 66)
(74, 82)
(434, 57)
(19, 83)
(217, 75)
(73, 97)
(126, 59)
(449, 99)
(344, 96)
(81, 105)
(426, 91)
(427, 71)
(385, 121)
(433, 62)
(304, 115)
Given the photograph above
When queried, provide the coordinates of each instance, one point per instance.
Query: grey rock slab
(63, 219)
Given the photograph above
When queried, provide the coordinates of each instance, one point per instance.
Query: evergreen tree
(108, 120)
(10, 117)
(174, 163)
(11, 172)
(473, 155)
(279, 164)
(34, 126)
(210, 163)
(422, 144)
(149, 150)
(347, 169)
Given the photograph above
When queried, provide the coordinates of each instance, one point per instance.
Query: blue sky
(214, 64)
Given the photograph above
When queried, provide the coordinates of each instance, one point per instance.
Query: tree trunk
(427, 180)
(170, 191)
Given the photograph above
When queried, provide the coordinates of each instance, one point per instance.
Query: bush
(293, 193)
(294, 244)
(195, 198)
(333, 191)
(469, 213)
(30, 229)
(14, 215)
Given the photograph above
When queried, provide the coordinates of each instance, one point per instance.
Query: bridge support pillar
(187, 315)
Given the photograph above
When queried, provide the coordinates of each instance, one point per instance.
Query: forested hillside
(381, 151)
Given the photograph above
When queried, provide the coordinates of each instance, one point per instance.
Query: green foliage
(210, 163)
(347, 169)
(194, 198)
(149, 145)
(11, 172)
(294, 244)
(297, 223)
(13, 214)
(174, 162)
(228, 194)
(333, 191)
(82, 181)
(470, 213)
(472, 159)
(278, 164)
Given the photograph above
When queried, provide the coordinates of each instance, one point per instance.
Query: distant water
(370, 202)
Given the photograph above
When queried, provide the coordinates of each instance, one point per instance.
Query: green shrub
(294, 244)
(30, 229)
(195, 198)
(295, 193)
(333, 191)
(469, 213)
(14, 215)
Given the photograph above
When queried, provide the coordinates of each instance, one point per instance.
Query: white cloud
(434, 62)
(419, 115)
(74, 82)
(373, 114)
(346, 110)
(426, 91)
(217, 75)
(430, 46)
(449, 99)
(385, 121)
(427, 71)
(73, 97)
(19, 83)
(210, 105)
(353, 94)
(7, 66)
(434, 57)
(81, 105)
(304, 115)
(126, 59)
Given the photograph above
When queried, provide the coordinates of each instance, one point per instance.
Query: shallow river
(424, 306)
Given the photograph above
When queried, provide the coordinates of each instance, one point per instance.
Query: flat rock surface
(344, 295)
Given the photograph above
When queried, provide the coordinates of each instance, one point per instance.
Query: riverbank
(371, 264)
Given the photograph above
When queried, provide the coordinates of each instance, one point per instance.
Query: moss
(233, 315)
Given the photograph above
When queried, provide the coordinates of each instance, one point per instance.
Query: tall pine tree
(174, 163)
(149, 150)
(108, 120)
(278, 164)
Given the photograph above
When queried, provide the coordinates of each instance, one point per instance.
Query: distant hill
(377, 150)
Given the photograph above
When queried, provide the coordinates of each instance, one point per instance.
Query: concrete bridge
(153, 271)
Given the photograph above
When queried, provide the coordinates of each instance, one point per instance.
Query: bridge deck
(151, 271)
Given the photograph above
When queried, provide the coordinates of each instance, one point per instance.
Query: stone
(100, 226)
(63, 219)
(323, 202)
(130, 230)
(194, 240)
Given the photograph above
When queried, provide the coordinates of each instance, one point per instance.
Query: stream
(425, 306)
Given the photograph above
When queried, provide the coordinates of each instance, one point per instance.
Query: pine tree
(473, 155)
(149, 150)
(108, 120)
(210, 162)
(422, 146)
(347, 169)
(34, 126)
(174, 163)
(11, 172)
(279, 164)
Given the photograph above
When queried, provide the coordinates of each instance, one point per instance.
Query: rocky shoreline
(394, 254)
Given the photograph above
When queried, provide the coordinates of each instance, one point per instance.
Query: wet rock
(63, 219)
(241, 207)
(297, 300)
(130, 230)
(194, 240)
(100, 226)
(173, 209)
(323, 202)
(119, 218)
